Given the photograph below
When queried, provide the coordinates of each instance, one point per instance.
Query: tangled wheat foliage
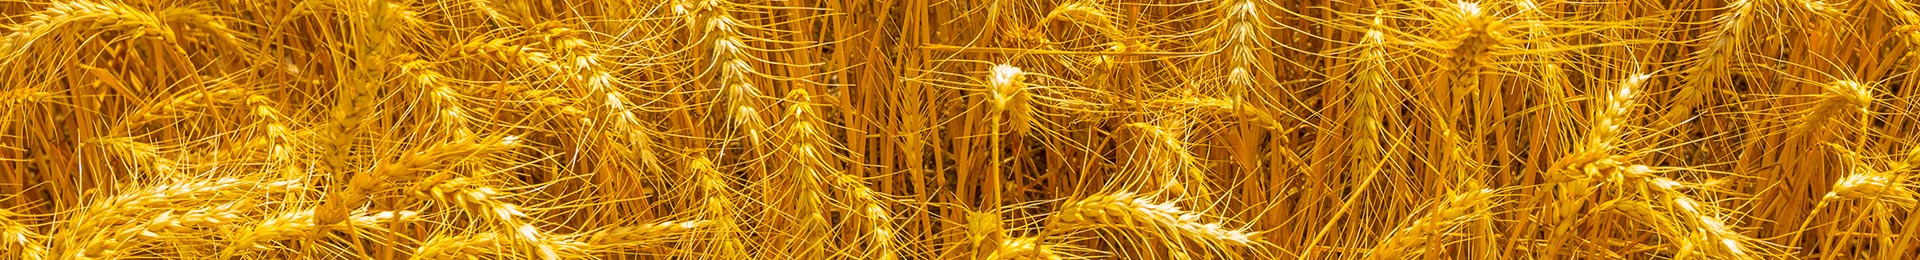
(963, 129)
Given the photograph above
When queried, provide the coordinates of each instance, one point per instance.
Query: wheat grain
(146, 155)
(1239, 28)
(279, 136)
(478, 244)
(1835, 114)
(1702, 221)
(1863, 183)
(122, 234)
(1574, 175)
(22, 96)
(197, 25)
(486, 7)
(355, 98)
(504, 49)
(810, 154)
(1471, 39)
(1873, 185)
(1225, 107)
(984, 234)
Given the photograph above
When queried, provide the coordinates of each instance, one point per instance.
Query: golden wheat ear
(270, 233)
(115, 225)
(1151, 220)
(345, 198)
(718, 205)
(21, 238)
(1414, 239)
(480, 200)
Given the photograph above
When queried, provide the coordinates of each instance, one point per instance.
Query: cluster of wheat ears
(959, 129)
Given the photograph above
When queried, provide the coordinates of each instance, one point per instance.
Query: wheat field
(959, 129)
